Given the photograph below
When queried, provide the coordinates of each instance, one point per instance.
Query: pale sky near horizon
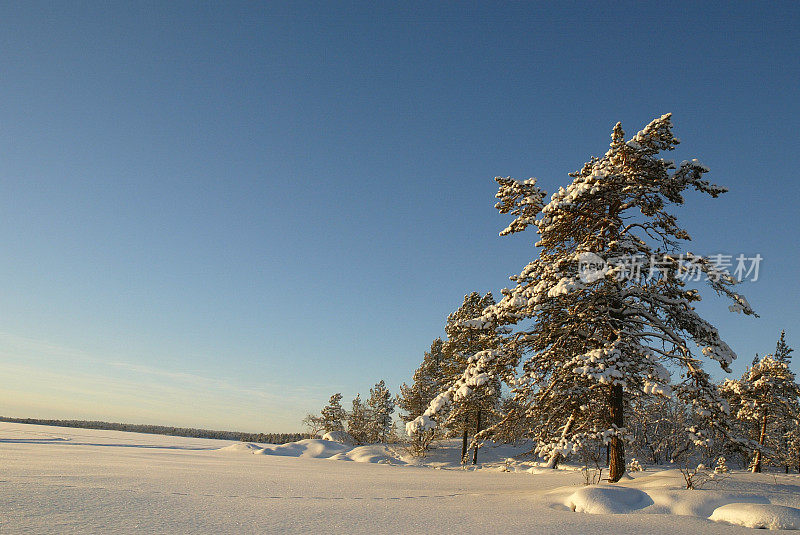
(218, 214)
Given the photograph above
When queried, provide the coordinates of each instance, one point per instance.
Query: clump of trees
(761, 429)
(765, 404)
(465, 405)
(265, 438)
(598, 342)
(427, 382)
(366, 423)
(597, 351)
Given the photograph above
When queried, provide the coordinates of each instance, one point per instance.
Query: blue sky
(218, 214)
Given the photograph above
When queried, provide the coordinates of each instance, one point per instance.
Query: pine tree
(597, 331)
(782, 351)
(333, 414)
(472, 408)
(787, 451)
(381, 407)
(358, 421)
(473, 369)
(768, 398)
(428, 381)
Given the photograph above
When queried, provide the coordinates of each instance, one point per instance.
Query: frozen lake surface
(58, 480)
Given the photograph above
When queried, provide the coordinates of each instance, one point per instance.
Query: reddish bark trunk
(761, 439)
(616, 448)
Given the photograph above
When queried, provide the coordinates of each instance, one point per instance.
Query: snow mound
(343, 437)
(310, 447)
(607, 500)
(758, 515)
(244, 447)
(374, 453)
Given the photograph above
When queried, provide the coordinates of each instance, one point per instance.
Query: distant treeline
(266, 438)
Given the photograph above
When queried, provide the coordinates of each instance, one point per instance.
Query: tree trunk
(616, 401)
(464, 440)
(477, 430)
(761, 439)
(616, 463)
(785, 445)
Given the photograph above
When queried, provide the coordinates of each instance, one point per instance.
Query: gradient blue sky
(217, 214)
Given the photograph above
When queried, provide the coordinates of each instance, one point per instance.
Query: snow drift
(244, 447)
(343, 437)
(373, 453)
(758, 515)
(310, 447)
(604, 500)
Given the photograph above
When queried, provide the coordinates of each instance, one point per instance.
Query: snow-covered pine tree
(465, 412)
(597, 332)
(767, 397)
(358, 421)
(381, 407)
(474, 367)
(517, 422)
(428, 381)
(333, 414)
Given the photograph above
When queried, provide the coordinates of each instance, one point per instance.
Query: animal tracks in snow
(258, 496)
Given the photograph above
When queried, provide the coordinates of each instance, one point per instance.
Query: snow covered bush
(420, 442)
(634, 466)
(657, 428)
(695, 477)
(721, 467)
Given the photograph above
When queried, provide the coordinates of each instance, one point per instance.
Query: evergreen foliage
(782, 351)
(427, 383)
(767, 401)
(473, 370)
(264, 438)
(333, 415)
(381, 407)
(596, 340)
(358, 421)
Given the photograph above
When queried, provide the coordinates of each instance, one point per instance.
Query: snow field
(57, 480)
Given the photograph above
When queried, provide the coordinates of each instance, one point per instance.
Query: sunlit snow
(58, 480)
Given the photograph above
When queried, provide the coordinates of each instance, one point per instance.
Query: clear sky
(218, 214)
